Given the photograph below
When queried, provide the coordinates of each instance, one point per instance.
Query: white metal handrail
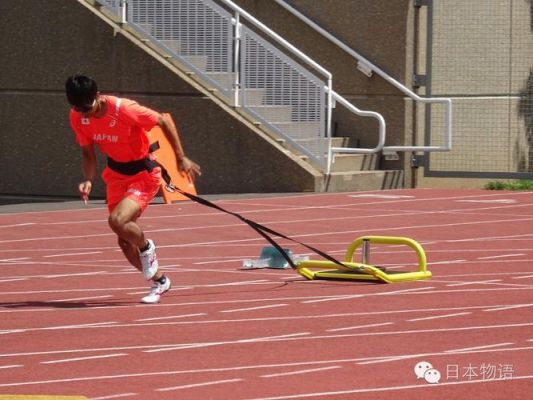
(120, 8)
(362, 113)
(368, 67)
(239, 12)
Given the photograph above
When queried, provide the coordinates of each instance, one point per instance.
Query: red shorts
(141, 187)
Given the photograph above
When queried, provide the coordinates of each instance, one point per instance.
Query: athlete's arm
(185, 164)
(88, 164)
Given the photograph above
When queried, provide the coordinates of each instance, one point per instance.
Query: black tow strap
(260, 229)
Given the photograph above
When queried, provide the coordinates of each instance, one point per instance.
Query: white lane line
(17, 225)
(490, 346)
(254, 308)
(403, 357)
(333, 298)
(488, 283)
(239, 283)
(230, 369)
(81, 298)
(510, 307)
(448, 262)
(501, 256)
(359, 327)
(72, 254)
(522, 277)
(194, 385)
(114, 396)
(79, 326)
(391, 388)
(392, 228)
(304, 336)
(83, 358)
(69, 275)
(7, 331)
(438, 316)
(170, 317)
(208, 344)
(13, 280)
(303, 371)
(474, 283)
(380, 196)
(500, 201)
(9, 260)
(51, 328)
(10, 366)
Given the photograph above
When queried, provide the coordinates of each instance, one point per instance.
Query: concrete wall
(482, 59)
(45, 41)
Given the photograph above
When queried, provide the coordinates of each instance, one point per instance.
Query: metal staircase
(265, 78)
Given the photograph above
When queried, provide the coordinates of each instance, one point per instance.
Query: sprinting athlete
(119, 127)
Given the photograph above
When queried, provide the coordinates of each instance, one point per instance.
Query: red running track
(71, 321)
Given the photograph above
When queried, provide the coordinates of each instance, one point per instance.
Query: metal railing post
(236, 57)
(329, 111)
(123, 11)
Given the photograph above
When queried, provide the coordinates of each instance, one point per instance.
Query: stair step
(174, 45)
(147, 28)
(274, 113)
(199, 62)
(253, 97)
(225, 79)
(299, 130)
(363, 180)
(354, 162)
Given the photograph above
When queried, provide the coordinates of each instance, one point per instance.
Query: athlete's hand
(189, 167)
(85, 188)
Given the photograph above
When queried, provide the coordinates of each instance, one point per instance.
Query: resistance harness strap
(260, 229)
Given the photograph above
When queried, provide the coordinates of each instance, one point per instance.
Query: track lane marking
(72, 254)
(208, 344)
(438, 317)
(510, 307)
(81, 298)
(354, 296)
(11, 366)
(391, 388)
(392, 228)
(303, 371)
(114, 396)
(202, 384)
(170, 317)
(489, 346)
(501, 256)
(238, 368)
(474, 283)
(359, 327)
(254, 308)
(84, 358)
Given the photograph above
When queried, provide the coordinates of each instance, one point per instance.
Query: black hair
(81, 90)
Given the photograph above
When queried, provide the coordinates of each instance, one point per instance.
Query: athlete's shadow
(66, 304)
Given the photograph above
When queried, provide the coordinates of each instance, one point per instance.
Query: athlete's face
(86, 108)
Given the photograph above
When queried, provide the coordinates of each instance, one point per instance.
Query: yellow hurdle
(322, 269)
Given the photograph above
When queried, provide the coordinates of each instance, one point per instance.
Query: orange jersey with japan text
(121, 133)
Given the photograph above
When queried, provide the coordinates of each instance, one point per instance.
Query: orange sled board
(166, 157)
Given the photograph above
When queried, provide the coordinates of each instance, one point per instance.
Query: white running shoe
(149, 261)
(156, 291)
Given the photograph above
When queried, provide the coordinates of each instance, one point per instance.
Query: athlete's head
(81, 92)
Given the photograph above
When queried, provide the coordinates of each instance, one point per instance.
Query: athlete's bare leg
(122, 221)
